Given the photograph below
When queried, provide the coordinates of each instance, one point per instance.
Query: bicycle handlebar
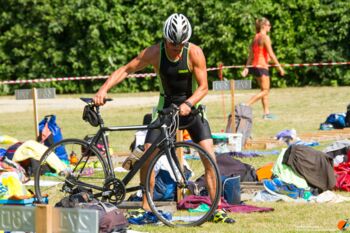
(171, 110)
(90, 101)
(166, 115)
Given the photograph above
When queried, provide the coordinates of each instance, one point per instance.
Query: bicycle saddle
(91, 100)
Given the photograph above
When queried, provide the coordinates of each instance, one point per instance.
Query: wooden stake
(180, 156)
(222, 92)
(233, 123)
(35, 108)
(43, 218)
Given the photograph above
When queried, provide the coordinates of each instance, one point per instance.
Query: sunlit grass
(300, 108)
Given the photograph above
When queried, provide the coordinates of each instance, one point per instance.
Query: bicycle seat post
(100, 120)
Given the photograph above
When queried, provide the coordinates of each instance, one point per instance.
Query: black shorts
(198, 129)
(258, 72)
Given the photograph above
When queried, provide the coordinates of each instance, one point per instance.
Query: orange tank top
(258, 50)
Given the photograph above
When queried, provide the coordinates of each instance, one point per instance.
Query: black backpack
(347, 116)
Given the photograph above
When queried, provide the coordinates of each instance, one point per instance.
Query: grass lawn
(300, 108)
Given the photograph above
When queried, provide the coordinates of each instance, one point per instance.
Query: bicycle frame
(162, 143)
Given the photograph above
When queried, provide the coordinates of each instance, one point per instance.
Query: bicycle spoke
(67, 179)
(195, 165)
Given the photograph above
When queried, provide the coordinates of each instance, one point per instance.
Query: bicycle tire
(59, 180)
(182, 217)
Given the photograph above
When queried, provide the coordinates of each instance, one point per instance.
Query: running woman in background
(260, 52)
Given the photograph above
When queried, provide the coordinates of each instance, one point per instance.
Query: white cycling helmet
(177, 29)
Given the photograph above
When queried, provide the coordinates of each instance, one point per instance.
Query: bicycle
(103, 183)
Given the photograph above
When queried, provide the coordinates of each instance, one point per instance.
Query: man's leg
(143, 214)
(219, 215)
(143, 174)
(207, 145)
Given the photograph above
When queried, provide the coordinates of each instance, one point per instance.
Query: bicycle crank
(114, 191)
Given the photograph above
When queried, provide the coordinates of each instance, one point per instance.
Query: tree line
(60, 38)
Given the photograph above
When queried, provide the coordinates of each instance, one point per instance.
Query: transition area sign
(34, 94)
(226, 85)
(42, 93)
(62, 220)
(231, 85)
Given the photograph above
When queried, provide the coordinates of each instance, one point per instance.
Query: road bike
(93, 169)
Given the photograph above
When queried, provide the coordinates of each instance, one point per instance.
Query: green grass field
(300, 108)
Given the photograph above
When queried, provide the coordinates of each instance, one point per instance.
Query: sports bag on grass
(347, 116)
(243, 122)
(337, 120)
(50, 133)
(231, 189)
(111, 219)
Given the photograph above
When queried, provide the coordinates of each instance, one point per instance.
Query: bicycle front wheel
(86, 172)
(200, 183)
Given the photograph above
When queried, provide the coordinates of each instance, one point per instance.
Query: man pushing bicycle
(181, 67)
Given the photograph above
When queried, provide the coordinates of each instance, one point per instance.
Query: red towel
(193, 201)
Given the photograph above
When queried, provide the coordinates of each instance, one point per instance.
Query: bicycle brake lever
(169, 110)
(201, 111)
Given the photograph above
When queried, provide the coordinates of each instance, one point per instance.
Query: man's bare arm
(200, 73)
(199, 70)
(145, 58)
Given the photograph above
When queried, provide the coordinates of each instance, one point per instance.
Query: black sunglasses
(173, 44)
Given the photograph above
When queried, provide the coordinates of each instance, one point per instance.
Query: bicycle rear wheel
(55, 180)
(195, 163)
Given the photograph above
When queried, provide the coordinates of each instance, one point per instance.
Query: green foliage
(60, 38)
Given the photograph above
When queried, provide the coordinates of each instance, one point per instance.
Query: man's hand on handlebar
(184, 109)
(100, 98)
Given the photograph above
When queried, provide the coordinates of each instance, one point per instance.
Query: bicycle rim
(55, 179)
(184, 205)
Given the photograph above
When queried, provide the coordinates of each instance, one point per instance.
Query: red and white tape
(285, 65)
(43, 80)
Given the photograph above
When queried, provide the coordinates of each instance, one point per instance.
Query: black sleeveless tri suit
(177, 84)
